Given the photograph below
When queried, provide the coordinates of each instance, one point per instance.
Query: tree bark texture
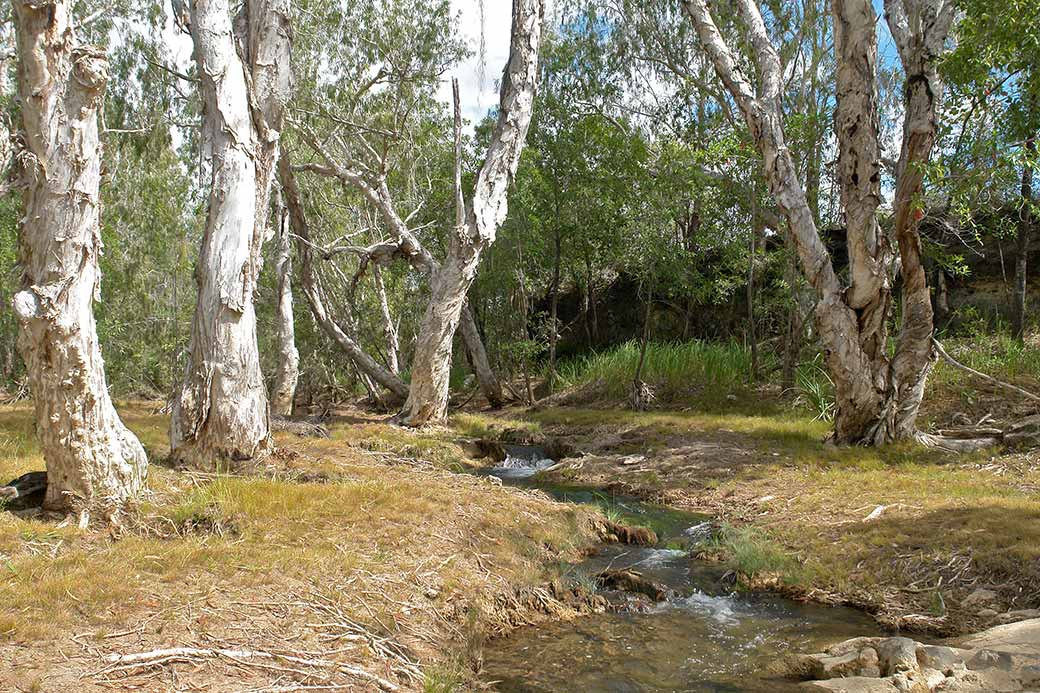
(876, 400)
(428, 394)
(287, 371)
(409, 248)
(393, 345)
(92, 458)
(221, 411)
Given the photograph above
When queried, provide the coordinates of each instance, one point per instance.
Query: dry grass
(368, 521)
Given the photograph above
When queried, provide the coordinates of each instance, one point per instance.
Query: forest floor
(343, 559)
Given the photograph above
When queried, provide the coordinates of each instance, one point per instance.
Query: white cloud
(478, 80)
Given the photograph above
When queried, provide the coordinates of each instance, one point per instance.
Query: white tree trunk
(92, 458)
(221, 411)
(393, 347)
(287, 372)
(428, 394)
(877, 401)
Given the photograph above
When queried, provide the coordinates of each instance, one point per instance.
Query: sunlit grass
(375, 515)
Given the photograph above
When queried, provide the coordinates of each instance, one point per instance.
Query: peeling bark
(408, 247)
(428, 394)
(877, 401)
(221, 411)
(92, 458)
(393, 347)
(287, 371)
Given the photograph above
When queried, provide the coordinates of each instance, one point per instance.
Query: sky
(478, 88)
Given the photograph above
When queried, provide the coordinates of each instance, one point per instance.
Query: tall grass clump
(675, 370)
(816, 389)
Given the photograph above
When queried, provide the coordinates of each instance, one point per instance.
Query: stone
(853, 645)
(942, 658)
(627, 580)
(980, 597)
(897, 655)
(1029, 675)
(1018, 615)
(932, 678)
(864, 663)
(990, 659)
(1021, 638)
(852, 684)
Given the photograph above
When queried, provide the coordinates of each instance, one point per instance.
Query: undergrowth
(711, 373)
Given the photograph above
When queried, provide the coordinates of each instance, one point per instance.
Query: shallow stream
(706, 637)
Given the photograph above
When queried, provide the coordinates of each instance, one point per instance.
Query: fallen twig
(123, 662)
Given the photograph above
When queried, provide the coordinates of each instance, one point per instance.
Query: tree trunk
(313, 291)
(876, 401)
(287, 372)
(793, 337)
(1022, 242)
(220, 410)
(92, 458)
(378, 193)
(942, 297)
(554, 305)
(428, 394)
(752, 256)
(393, 345)
(478, 359)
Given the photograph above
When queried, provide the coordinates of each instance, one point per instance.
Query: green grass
(753, 553)
(996, 355)
(700, 371)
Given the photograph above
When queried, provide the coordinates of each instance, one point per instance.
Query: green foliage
(816, 390)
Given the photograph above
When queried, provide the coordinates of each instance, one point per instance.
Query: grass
(753, 553)
(385, 529)
(696, 372)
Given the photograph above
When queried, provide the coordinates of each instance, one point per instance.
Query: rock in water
(627, 580)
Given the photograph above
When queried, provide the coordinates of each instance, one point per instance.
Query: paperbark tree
(393, 346)
(287, 372)
(428, 394)
(221, 409)
(92, 458)
(370, 181)
(877, 398)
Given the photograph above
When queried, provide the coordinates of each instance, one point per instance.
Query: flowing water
(704, 637)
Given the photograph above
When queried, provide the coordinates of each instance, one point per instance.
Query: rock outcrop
(1003, 658)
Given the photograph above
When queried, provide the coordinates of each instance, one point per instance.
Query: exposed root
(954, 444)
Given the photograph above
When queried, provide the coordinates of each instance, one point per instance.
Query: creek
(704, 637)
